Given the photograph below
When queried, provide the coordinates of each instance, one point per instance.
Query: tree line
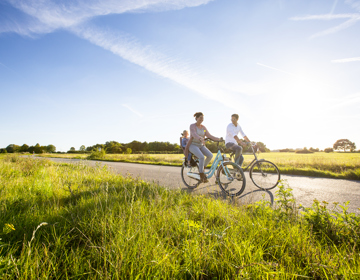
(339, 145)
(114, 147)
(37, 149)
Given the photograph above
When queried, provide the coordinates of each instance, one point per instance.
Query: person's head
(234, 118)
(199, 117)
(185, 133)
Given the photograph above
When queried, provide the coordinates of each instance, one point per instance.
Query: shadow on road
(248, 197)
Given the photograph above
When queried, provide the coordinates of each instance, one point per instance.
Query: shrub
(328, 150)
(97, 154)
(287, 150)
(304, 151)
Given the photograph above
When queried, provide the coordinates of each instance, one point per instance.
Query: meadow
(327, 165)
(65, 221)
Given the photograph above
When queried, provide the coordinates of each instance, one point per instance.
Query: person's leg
(189, 158)
(239, 159)
(196, 152)
(208, 155)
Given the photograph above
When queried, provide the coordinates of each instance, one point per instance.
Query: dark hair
(198, 114)
(235, 115)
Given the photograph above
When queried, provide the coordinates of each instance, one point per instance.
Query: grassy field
(62, 221)
(329, 165)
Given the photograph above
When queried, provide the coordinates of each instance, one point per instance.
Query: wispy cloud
(333, 7)
(3, 65)
(352, 19)
(132, 110)
(74, 16)
(345, 101)
(273, 68)
(49, 15)
(171, 68)
(343, 60)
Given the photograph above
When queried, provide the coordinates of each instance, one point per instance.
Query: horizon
(82, 73)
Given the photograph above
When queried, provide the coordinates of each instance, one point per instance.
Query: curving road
(305, 189)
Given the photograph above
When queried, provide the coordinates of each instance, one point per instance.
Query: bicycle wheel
(265, 175)
(231, 178)
(188, 181)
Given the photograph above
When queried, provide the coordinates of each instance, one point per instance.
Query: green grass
(62, 221)
(328, 165)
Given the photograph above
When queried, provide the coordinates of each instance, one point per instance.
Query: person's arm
(208, 135)
(243, 135)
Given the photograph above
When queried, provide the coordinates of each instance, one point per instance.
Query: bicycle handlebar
(208, 139)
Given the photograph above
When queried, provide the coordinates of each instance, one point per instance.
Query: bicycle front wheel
(265, 175)
(191, 183)
(231, 178)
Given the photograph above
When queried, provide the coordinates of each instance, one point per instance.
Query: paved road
(305, 189)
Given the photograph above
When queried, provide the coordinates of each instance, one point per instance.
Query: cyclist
(196, 144)
(232, 141)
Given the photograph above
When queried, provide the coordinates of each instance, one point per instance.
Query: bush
(328, 150)
(96, 154)
(286, 150)
(304, 151)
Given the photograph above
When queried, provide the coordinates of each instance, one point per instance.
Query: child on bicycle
(184, 142)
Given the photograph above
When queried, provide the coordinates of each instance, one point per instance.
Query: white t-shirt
(232, 131)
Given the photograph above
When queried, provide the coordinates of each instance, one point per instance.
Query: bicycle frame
(219, 159)
(253, 161)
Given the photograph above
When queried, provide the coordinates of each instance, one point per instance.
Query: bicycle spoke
(265, 175)
(231, 179)
(189, 181)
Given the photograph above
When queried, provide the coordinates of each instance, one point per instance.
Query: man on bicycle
(232, 141)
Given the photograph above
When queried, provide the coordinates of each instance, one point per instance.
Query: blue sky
(82, 72)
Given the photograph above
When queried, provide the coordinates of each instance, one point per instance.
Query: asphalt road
(305, 189)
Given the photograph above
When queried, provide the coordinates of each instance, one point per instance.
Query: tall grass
(63, 221)
(328, 165)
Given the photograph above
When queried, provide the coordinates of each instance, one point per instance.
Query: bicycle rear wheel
(265, 175)
(231, 178)
(191, 183)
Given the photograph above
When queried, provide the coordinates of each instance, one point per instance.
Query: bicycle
(229, 176)
(263, 173)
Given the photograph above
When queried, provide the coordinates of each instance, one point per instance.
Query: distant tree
(24, 148)
(3, 151)
(113, 147)
(287, 150)
(72, 149)
(12, 148)
(97, 147)
(328, 150)
(82, 148)
(344, 144)
(50, 149)
(128, 151)
(262, 147)
(38, 149)
(303, 151)
(135, 146)
(313, 149)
